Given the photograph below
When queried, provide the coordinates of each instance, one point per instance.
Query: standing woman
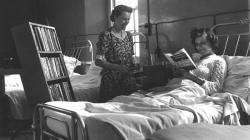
(114, 54)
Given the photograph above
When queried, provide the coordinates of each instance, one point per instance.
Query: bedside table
(153, 76)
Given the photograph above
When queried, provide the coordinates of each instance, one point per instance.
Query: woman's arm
(178, 72)
(215, 82)
(102, 46)
(101, 62)
(193, 78)
(218, 74)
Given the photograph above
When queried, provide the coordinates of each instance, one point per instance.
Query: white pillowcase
(238, 85)
(238, 76)
(238, 65)
(71, 63)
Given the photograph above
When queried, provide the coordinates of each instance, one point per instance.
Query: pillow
(238, 76)
(71, 63)
(238, 65)
(94, 70)
(238, 85)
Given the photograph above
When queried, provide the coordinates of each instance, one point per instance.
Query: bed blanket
(137, 116)
(202, 131)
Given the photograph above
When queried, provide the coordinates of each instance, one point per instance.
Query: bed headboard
(235, 50)
(233, 43)
(82, 50)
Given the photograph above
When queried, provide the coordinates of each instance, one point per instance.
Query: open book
(181, 59)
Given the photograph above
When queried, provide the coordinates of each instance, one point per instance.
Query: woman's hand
(122, 69)
(186, 75)
(196, 57)
(111, 66)
(179, 72)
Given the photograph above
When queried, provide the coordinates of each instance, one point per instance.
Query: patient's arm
(178, 72)
(210, 75)
(213, 72)
(218, 74)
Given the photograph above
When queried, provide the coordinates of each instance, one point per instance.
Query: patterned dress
(117, 51)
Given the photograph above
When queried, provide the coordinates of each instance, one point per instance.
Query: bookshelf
(44, 74)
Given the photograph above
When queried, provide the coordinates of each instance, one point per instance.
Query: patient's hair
(211, 37)
(117, 11)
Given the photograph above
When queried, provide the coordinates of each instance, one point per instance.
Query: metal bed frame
(41, 131)
(239, 36)
(78, 41)
(77, 47)
(39, 120)
(26, 128)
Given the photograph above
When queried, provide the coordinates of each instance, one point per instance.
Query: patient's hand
(196, 56)
(187, 75)
(179, 72)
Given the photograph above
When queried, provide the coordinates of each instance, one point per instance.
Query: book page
(183, 60)
(168, 57)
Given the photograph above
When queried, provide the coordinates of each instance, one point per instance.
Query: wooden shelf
(57, 80)
(44, 74)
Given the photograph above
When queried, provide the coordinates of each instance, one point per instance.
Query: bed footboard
(47, 124)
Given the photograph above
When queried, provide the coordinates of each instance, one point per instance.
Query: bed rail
(238, 36)
(41, 130)
(78, 44)
(244, 21)
(78, 48)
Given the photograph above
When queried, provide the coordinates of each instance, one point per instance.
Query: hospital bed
(126, 117)
(237, 82)
(85, 85)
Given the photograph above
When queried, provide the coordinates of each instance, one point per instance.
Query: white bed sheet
(85, 87)
(135, 124)
(136, 117)
(202, 131)
(96, 129)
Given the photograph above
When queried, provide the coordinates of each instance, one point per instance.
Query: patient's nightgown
(212, 69)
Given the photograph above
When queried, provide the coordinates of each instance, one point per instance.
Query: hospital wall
(173, 36)
(92, 16)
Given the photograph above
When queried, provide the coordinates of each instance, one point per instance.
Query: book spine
(67, 90)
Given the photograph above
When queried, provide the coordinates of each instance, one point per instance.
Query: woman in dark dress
(114, 54)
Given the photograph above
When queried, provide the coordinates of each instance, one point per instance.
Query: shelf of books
(45, 77)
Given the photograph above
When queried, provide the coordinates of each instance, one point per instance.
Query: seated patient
(207, 79)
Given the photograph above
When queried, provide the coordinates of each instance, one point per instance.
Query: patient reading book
(181, 59)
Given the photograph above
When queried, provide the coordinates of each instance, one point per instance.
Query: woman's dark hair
(117, 11)
(211, 37)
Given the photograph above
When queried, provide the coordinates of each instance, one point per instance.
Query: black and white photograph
(125, 70)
